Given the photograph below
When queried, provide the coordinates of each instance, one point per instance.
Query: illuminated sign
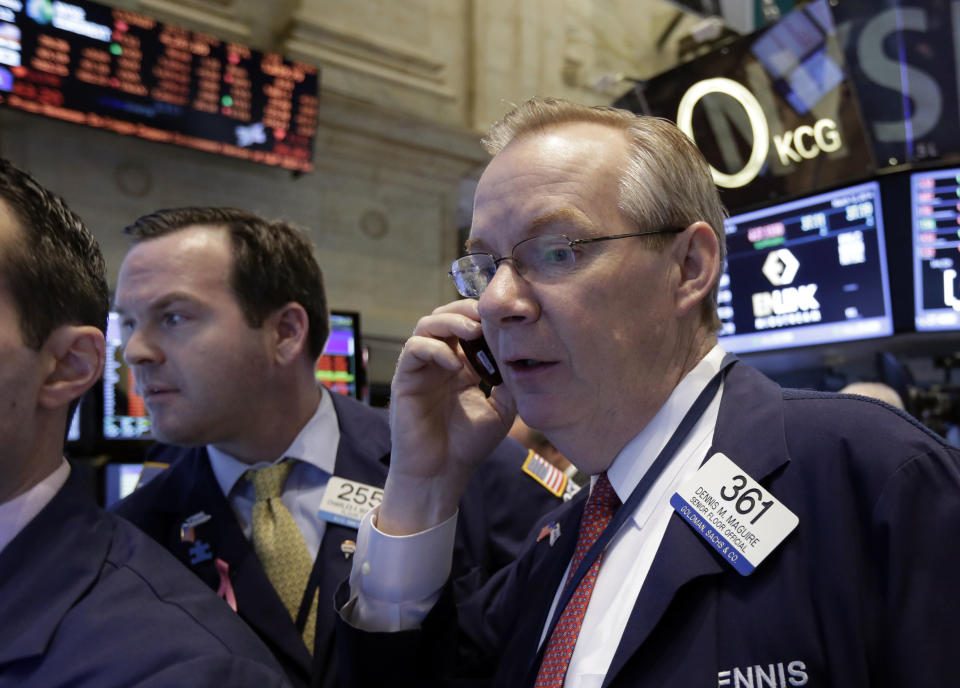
(904, 59)
(758, 127)
(109, 68)
(783, 121)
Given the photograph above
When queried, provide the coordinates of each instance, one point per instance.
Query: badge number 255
(745, 501)
(361, 495)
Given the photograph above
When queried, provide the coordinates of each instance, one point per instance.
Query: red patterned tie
(597, 513)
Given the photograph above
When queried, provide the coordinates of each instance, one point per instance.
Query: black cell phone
(481, 358)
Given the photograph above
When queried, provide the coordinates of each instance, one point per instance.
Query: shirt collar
(315, 444)
(635, 459)
(19, 511)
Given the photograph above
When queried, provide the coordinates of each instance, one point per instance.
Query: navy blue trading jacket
(862, 593)
(86, 599)
(501, 506)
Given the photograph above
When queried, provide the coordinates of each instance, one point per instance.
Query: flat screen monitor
(935, 210)
(82, 433)
(123, 412)
(120, 479)
(340, 366)
(73, 432)
(811, 271)
(113, 69)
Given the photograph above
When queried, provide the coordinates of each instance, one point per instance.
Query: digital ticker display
(806, 272)
(935, 207)
(118, 70)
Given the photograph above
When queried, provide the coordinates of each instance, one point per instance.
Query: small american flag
(545, 473)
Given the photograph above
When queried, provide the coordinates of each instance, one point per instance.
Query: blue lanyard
(639, 492)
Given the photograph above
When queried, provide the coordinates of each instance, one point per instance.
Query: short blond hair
(666, 182)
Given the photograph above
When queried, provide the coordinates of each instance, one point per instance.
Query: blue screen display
(810, 271)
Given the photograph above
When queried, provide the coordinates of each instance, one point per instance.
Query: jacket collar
(750, 431)
(57, 558)
(362, 455)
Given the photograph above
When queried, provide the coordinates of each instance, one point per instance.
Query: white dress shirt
(392, 589)
(19, 511)
(315, 451)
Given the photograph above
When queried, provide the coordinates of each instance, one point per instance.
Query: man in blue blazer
(735, 534)
(223, 316)
(85, 598)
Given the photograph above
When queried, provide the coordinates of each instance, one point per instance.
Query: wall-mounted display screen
(87, 63)
(338, 368)
(806, 272)
(935, 209)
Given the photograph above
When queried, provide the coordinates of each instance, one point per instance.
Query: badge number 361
(746, 500)
(733, 513)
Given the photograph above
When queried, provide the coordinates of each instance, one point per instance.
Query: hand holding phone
(482, 360)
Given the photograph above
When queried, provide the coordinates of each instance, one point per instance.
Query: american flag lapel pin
(552, 531)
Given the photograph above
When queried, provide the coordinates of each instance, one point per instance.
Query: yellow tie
(280, 545)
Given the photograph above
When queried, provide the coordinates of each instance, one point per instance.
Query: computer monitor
(120, 479)
(935, 227)
(340, 367)
(810, 271)
(123, 412)
(73, 431)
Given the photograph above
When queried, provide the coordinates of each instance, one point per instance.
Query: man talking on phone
(734, 533)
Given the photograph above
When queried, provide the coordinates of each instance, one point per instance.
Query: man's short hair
(273, 263)
(54, 271)
(666, 183)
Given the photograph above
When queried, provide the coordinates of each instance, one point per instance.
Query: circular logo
(758, 125)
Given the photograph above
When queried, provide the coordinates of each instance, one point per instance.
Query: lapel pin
(552, 530)
(200, 552)
(187, 528)
(348, 547)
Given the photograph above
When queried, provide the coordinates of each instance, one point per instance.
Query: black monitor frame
(359, 373)
(808, 333)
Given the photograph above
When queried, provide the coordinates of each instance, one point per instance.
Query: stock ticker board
(125, 72)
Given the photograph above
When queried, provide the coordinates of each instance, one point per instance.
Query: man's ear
(698, 255)
(75, 357)
(289, 326)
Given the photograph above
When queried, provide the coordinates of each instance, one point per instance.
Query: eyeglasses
(541, 259)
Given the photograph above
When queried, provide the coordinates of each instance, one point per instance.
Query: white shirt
(315, 451)
(19, 511)
(393, 588)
